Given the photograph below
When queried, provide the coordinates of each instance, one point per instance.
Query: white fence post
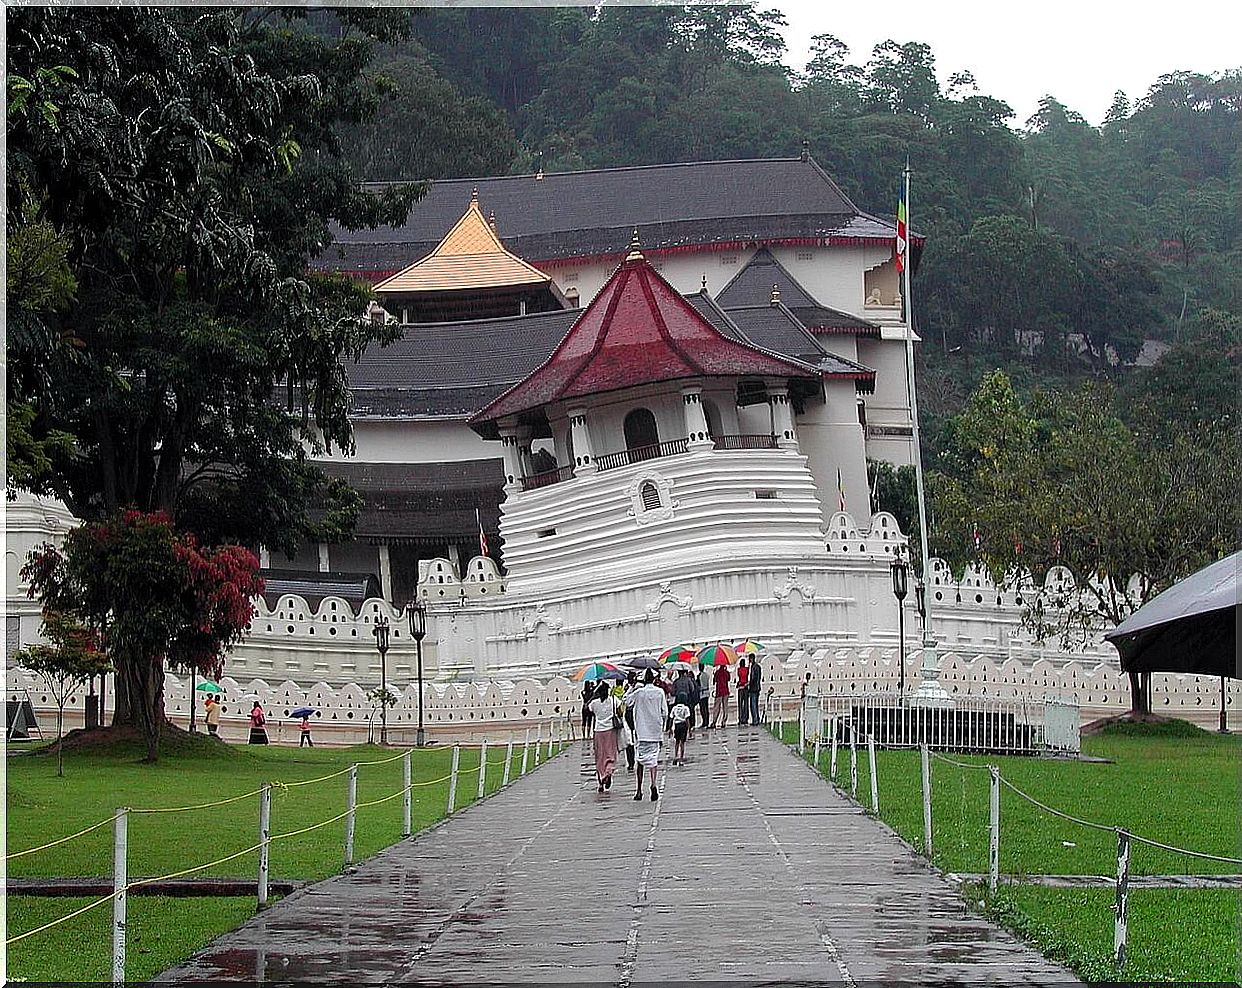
(801, 729)
(875, 788)
(406, 796)
(482, 770)
(538, 742)
(265, 831)
(120, 880)
(1123, 897)
(351, 811)
(504, 779)
(853, 761)
(925, 758)
(525, 752)
(994, 829)
(452, 796)
(832, 758)
(551, 731)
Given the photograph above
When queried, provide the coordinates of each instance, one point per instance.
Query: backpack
(683, 692)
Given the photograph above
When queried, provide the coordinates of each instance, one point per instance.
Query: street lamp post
(418, 630)
(901, 573)
(381, 643)
(920, 591)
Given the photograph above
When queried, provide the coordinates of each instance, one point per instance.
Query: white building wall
(416, 440)
(888, 433)
(831, 438)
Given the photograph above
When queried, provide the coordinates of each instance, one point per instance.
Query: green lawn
(43, 807)
(1175, 784)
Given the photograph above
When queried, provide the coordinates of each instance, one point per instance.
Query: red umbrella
(678, 653)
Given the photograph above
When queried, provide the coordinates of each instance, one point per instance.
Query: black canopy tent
(1190, 628)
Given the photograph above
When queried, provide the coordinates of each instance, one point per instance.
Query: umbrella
(717, 655)
(599, 670)
(678, 653)
(209, 687)
(749, 647)
(302, 712)
(679, 666)
(642, 662)
(1191, 627)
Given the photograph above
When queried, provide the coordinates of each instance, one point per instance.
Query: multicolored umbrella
(749, 647)
(598, 670)
(717, 655)
(678, 653)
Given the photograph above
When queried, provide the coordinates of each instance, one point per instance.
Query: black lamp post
(901, 575)
(920, 596)
(418, 630)
(381, 642)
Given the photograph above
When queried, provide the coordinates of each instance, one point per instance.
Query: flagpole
(929, 686)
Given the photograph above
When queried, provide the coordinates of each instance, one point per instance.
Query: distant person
(806, 682)
(743, 693)
(606, 718)
(258, 724)
(705, 693)
(683, 693)
(650, 707)
(720, 709)
(753, 686)
(681, 717)
(213, 717)
(304, 740)
(588, 697)
(631, 684)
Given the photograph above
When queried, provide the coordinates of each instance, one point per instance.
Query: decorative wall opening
(640, 429)
(650, 496)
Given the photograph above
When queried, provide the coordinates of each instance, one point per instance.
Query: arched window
(641, 434)
(649, 494)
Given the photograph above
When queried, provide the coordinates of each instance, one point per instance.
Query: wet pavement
(750, 868)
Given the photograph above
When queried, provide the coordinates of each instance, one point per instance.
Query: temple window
(640, 429)
(650, 496)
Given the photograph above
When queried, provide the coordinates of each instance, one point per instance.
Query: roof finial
(491, 220)
(776, 295)
(636, 253)
(704, 288)
(474, 196)
(806, 149)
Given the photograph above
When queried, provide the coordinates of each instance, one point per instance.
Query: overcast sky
(1079, 51)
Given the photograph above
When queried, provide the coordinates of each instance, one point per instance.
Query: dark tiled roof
(314, 587)
(637, 330)
(425, 502)
(592, 213)
(753, 286)
(453, 369)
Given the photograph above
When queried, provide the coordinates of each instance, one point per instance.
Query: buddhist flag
(840, 493)
(482, 536)
(901, 231)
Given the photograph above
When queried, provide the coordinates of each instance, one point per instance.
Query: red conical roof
(637, 330)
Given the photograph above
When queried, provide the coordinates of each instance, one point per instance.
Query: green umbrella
(209, 687)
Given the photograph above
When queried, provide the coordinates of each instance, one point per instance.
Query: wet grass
(42, 807)
(1172, 783)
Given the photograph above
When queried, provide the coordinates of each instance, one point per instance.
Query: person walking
(683, 693)
(630, 686)
(753, 685)
(720, 709)
(650, 707)
(681, 716)
(304, 739)
(743, 695)
(588, 696)
(213, 717)
(705, 693)
(606, 718)
(258, 724)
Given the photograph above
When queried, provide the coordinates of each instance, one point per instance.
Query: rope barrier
(950, 761)
(63, 919)
(190, 871)
(382, 761)
(1182, 850)
(61, 840)
(1055, 812)
(311, 782)
(307, 830)
(197, 806)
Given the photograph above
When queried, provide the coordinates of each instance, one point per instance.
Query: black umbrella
(1190, 628)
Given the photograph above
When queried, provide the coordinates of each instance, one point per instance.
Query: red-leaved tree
(155, 597)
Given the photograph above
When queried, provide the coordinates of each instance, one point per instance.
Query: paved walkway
(750, 868)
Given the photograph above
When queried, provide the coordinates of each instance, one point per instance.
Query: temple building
(769, 254)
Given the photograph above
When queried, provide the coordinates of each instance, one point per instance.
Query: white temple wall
(606, 417)
(831, 438)
(833, 275)
(888, 431)
(416, 440)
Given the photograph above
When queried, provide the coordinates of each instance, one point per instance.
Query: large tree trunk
(122, 711)
(144, 681)
(1140, 696)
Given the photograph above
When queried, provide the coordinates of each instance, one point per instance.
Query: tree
(69, 660)
(153, 596)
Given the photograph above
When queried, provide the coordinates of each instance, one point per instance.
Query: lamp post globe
(417, 614)
(900, 572)
(381, 632)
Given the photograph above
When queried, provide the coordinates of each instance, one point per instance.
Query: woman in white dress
(605, 712)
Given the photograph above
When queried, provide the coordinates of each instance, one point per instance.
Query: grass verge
(42, 807)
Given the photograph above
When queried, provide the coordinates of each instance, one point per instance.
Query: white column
(324, 566)
(524, 453)
(385, 568)
(513, 460)
(584, 454)
(265, 558)
(782, 416)
(696, 419)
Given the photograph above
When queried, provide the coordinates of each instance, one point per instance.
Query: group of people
(636, 716)
(258, 723)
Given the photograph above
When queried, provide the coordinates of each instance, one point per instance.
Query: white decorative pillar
(512, 459)
(324, 566)
(265, 558)
(524, 454)
(782, 415)
(385, 568)
(696, 419)
(584, 454)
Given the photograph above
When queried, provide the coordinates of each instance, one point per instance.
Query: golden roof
(469, 256)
